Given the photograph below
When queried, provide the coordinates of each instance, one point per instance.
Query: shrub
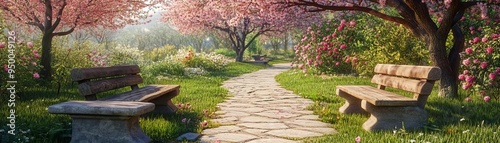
(226, 52)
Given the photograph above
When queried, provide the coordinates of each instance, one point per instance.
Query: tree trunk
(239, 54)
(46, 71)
(438, 56)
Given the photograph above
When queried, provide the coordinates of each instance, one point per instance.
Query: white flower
(463, 119)
(466, 131)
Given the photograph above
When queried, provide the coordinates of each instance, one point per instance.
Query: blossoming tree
(240, 21)
(62, 17)
(430, 20)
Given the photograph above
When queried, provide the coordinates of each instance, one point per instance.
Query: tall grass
(450, 120)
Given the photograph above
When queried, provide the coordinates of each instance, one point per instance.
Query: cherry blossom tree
(241, 21)
(430, 20)
(62, 17)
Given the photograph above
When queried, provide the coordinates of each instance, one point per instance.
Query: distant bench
(260, 59)
(119, 113)
(389, 110)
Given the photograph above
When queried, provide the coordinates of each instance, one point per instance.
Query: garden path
(263, 112)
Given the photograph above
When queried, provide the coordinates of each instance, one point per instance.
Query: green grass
(201, 92)
(481, 122)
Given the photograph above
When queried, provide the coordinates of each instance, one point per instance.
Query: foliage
(226, 52)
(449, 120)
(158, 54)
(481, 62)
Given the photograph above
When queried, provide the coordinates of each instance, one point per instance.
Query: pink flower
(489, 50)
(343, 46)
(30, 44)
(354, 59)
(492, 76)
(484, 40)
(466, 62)
(6, 67)
(466, 86)
(304, 70)
(35, 51)
(440, 20)
(352, 23)
(357, 139)
(483, 65)
(476, 40)
(184, 120)
(476, 61)
(36, 55)
(468, 50)
(468, 99)
(204, 123)
(487, 99)
(36, 76)
(301, 66)
(466, 71)
(469, 79)
(337, 63)
(461, 77)
(471, 28)
(2, 45)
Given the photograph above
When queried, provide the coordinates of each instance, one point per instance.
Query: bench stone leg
(352, 104)
(391, 117)
(164, 105)
(101, 129)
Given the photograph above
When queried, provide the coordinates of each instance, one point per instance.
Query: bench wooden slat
(143, 94)
(410, 71)
(412, 85)
(376, 96)
(94, 87)
(79, 74)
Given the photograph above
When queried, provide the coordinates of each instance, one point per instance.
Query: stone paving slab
(263, 112)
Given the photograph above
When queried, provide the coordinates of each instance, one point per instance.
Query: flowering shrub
(324, 48)
(121, 55)
(25, 64)
(210, 62)
(481, 66)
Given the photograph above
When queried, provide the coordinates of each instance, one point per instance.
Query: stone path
(263, 112)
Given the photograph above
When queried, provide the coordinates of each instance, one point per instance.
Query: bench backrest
(100, 79)
(417, 79)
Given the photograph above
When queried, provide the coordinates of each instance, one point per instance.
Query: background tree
(62, 17)
(240, 21)
(417, 16)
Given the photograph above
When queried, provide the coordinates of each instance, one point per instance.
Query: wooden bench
(105, 121)
(100, 79)
(260, 59)
(389, 110)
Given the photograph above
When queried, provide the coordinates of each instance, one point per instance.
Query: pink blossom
(35, 51)
(461, 77)
(466, 62)
(343, 46)
(494, 36)
(340, 28)
(471, 28)
(301, 66)
(473, 32)
(469, 79)
(337, 63)
(36, 55)
(352, 23)
(304, 70)
(2, 45)
(498, 70)
(204, 123)
(476, 40)
(34, 63)
(476, 61)
(484, 65)
(466, 71)
(6, 67)
(468, 99)
(484, 40)
(489, 50)
(36, 76)
(466, 86)
(30, 44)
(357, 139)
(486, 99)
(492, 76)
(184, 120)
(468, 50)
(354, 59)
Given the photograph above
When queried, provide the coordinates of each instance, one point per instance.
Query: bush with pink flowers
(481, 63)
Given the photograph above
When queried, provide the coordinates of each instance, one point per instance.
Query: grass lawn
(35, 124)
(450, 120)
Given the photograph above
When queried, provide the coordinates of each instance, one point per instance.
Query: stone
(293, 133)
(247, 110)
(394, 117)
(256, 119)
(118, 108)
(272, 140)
(255, 131)
(269, 126)
(320, 130)
(226, 120)
(308, 123)
(221, 129)
(276, 114)
(308, 117)
(234, 114)
(228, 137)
(188, 136)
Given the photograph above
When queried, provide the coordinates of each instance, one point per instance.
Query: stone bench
(101, 79)
(105, 121)
(389, 110)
